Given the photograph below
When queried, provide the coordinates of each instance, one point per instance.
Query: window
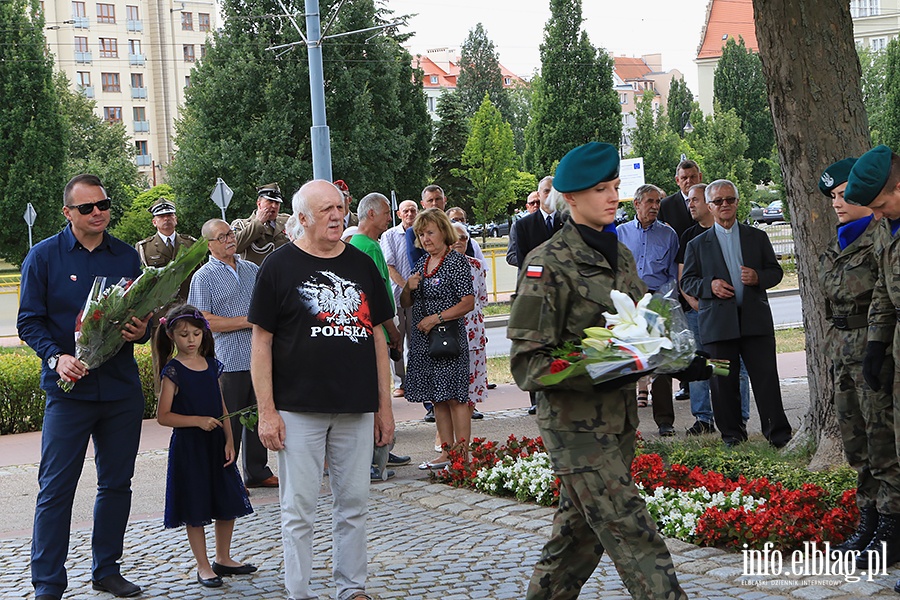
(78, 9)
(203, 19)
(187, 81)
(81, 44)
(134, 46)
(137, 80)
(142, 153)
(109, 48)
(189, 53)
(623, 98)
(878, 44)
(187, 21)
(132, 14)
(141, 124)
(140, 113)
(865, 8)
(106, 13)
(113, 114)
(434, 79)
(109, 82)
(507, 81)
(202, 51)
(83, 79)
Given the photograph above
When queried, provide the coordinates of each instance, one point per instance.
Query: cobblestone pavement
(426, 541)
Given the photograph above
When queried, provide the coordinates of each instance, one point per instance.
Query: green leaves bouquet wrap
(98, 327)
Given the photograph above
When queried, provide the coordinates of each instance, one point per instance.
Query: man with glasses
(222, 289)
(531, 205)
(263, 231)
(105, 405)
(728, 269)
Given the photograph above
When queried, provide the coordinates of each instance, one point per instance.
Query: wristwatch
(53, 360)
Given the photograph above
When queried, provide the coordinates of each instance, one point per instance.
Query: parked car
(756, 212)
(773, 212)
(475, 229)
(501, 228)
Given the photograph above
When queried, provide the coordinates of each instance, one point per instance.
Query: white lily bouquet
(649, 335)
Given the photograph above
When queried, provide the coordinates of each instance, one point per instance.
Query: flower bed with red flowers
(701, 507)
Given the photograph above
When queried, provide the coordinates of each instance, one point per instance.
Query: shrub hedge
(22, 399)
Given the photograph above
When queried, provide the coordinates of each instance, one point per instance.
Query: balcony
(134, 25)
(138, 93)
(84, 58)
(80, 22)
(143, 160)
(87, 91)
(142, 127)
(136, 60)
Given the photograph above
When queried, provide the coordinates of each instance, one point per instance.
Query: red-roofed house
(440, 68)
(875, 23)
(632, 77)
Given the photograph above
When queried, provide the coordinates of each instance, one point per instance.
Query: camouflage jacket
(847, 278)
(570, 294)
(886, 295)
(256, 240)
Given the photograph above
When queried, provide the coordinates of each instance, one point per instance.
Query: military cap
(162, 206)
(586, 166)
(270, 191)
(869, 176)
(835, 175)
(342, 185)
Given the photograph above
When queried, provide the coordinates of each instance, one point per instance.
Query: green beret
(835, 175)
(586, 166)
(869, 176)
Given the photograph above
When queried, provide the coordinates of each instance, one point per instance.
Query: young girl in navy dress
(203, 484)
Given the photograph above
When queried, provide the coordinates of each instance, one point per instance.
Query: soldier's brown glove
(872, 363)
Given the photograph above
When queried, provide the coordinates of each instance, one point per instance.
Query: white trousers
(346, 440)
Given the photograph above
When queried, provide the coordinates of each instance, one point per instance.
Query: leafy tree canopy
(739, 84)
(247, 118)
(32, 132)
(489, 161)
(479, 73)
(451, 132)
(654, 140)
(874, 88)
(679, 106)
(575, 102)
(721, 146)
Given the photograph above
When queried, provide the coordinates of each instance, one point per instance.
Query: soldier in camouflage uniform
(848, 270)
(874, 181)
(259, 235)
(589, 432)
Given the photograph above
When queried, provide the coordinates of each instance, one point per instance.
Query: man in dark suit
(538, 227)
(728, 269)
(532, 231)
(674, 209)
(674, 212)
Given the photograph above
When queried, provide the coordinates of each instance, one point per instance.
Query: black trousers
(237, 390)
(663, 409)
(758, 352)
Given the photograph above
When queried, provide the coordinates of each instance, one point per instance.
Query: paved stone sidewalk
(426, 541)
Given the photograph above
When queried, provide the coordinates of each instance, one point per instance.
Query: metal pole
(319, 136)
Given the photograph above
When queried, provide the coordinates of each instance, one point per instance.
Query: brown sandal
(643, 399)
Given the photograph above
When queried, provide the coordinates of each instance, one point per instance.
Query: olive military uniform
(256, 240)
(154, 252)
(866, 417)
(589, 434)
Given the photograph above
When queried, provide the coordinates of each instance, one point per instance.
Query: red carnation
(558, 365)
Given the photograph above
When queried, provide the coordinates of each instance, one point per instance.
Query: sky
(629, 28)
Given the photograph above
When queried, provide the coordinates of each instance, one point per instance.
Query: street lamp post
(685, 121)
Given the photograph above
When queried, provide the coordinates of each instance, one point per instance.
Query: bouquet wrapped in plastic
(650, 335)
(98, 327)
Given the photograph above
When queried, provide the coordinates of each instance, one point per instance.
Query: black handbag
(443, 340)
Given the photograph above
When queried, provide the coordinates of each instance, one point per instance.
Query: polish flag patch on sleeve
(534, 271)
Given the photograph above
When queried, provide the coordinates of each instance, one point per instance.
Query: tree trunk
(812, 75)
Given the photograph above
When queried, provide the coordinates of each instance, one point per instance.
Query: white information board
(631, 174)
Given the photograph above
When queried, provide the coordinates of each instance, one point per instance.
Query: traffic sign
(221, 195)
(30, 214)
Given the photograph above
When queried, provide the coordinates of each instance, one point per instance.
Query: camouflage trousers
(600, 509)
(866, 421)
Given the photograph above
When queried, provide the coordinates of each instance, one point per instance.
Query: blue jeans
(701, 405)
(115, 427)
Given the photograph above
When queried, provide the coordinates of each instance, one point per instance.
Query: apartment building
(134, 58)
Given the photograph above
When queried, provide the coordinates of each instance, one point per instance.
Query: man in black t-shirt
(316, 311)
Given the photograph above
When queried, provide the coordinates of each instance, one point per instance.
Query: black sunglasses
(88, 207)
(729, 200)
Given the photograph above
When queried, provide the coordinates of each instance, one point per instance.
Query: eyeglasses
(729, 201)
(223, 237)
(88, 207)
